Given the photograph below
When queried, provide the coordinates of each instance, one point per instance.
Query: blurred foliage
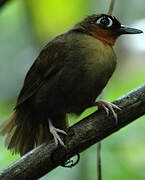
(26, 26)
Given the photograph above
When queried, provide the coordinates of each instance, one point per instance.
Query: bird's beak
(127, 30)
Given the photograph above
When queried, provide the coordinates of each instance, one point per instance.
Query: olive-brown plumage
(68, 75)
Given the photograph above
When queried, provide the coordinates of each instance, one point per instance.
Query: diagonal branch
(81, 136)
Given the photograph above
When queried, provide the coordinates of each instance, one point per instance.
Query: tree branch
(81, 136)
(112, 4)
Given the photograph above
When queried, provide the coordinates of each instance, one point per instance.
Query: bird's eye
(105, 21)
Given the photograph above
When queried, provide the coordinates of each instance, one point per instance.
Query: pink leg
(54, 131)
(107, 106)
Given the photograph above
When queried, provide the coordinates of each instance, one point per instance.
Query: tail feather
(42, 134)
(24, 130)
(8, 125)
(22, 135)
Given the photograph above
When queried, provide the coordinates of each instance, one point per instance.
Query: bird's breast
(99, 63)
(96, 64)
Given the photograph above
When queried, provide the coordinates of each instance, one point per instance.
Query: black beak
(127, 30)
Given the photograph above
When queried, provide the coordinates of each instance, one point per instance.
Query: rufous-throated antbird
(67, 76)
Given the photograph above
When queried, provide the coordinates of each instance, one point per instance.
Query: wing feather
(46, 65)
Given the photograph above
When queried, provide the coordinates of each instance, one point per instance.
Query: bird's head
(105, 28)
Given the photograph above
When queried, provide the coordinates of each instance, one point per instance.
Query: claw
(106, 109)
(54, 131)
(108, 106)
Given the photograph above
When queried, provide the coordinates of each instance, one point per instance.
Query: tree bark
(80, 136)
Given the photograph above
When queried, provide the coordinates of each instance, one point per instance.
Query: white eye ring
(110, 22)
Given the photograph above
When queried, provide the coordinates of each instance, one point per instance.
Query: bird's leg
(107, 106)
(54, 131)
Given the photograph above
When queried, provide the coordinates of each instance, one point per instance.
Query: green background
(25, 27)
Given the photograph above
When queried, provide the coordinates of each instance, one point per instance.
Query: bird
(67, 76)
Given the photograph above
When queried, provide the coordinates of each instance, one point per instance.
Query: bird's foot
(107, 106)
(54, 131)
